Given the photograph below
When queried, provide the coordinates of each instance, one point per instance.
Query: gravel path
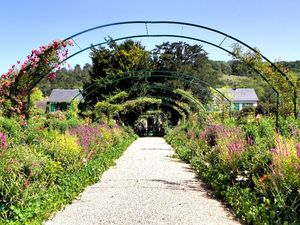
(146, 186)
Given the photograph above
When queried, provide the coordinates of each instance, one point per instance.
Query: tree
(188, 59)
(66, 78)
(108, 63)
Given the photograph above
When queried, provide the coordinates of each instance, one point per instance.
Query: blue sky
(270, 25)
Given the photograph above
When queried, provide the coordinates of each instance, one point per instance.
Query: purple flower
(298, 149)
(87, 136)
(3, 140)
(292, 129)
(250, 141)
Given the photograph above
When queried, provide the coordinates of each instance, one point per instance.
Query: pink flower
(71, 42)
(43, 48)
(3, 141)
(51, 75)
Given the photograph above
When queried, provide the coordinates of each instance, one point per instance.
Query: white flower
(241, 178)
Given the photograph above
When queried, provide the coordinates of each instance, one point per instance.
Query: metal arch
(177, 36)
(191, 38)
(164, 98)
(195, 39)
(185, 24)
(170, 104)
(200, 27)
(170, 89)
(209, 43)
(181, 76)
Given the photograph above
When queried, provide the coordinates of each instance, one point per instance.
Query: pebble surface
(147, 186)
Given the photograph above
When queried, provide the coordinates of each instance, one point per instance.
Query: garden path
(147, 186)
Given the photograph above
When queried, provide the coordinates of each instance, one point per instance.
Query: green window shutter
(244, 105)
(236, 106)
(52, 107)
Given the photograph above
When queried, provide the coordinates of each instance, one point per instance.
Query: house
(239, 97)
(242, 97)
(60, 99)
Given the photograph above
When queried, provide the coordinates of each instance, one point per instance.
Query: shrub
(261, 185)
(289, 126)
(63, 148)
(12, 128)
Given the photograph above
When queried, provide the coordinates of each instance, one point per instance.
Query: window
(236, 106)
(247, 105)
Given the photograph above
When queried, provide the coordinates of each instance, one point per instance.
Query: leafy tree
(282, 84)
(108, 63)
(66, 78)
(188, 59)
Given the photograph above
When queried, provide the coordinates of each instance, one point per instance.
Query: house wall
(243, 105)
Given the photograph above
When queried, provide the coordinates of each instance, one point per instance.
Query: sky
(270, 25)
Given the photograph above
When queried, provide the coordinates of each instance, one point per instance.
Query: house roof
(242, 95)
(64, 95)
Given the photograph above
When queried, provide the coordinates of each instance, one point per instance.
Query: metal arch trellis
(171, 104)
(200, 40)
(171, 90)
(170, 101)
(136, 88)
(186, 37)
(225, 35)
(164, 74)
(196, 39)
(171, 74)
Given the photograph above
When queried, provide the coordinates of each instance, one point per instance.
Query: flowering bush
(16, 84)
(228, 141)
(255, 170)
(286, 158)
(48, 170)
(88, 137)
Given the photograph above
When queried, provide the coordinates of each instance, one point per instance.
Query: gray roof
(242, 95)
(64, 95)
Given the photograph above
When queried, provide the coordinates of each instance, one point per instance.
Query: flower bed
(39, 175)
(255, 170)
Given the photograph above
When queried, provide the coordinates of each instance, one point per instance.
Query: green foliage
(105, 111)
(40, 176)
(12, 128)
(73, 111)
(36, 95)
(62, 148)
(289, 126)
(189, 59)
(261, 186)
